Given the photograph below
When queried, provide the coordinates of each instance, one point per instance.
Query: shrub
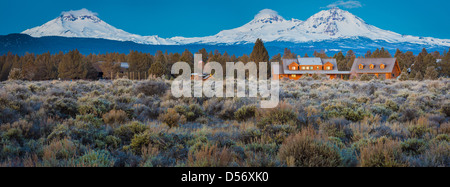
(391, 105)
(337, 128)
(151, 87)
(446, 109)
(408, 114)
(191, 113)
(61, 107)
(127, 132)
(95, 159)
(437, 155)
(97, 106)
(383, 153)
(227, 109)
(115, 117)
(245, 113)
(210, 156)
(413, 146)
(122, 82)
(171, 118)
(417, 131)
(15, 74)
(306, 150)
(59, 150)
(281, 115)
(442, 137)
(355, 115)
(382, 131)
(365, 77)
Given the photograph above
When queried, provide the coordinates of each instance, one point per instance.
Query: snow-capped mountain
(85, 24)
(327, 25)
(267, 25)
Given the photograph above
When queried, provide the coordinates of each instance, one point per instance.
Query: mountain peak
(268, 16)
(335, 22)
(79, 13)
(82, 14)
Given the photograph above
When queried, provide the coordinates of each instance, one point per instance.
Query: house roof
(124, 65)
(293, 63)
(286, 62)
(388, 62)
(332, 61)
(310, 61)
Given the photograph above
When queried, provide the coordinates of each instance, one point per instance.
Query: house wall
(315, 68)
(328, 65)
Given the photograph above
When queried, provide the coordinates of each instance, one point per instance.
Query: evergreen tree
(244, 58)
(412, 75)
(368, 54)
(340, 59)
(72, 66)
(288, 54)
(157, 69)
(8, 64)
(110, 69)
(260, 54)
(418, 76)
(204, 54)
(408, 59)
(431, 73)
(444, 65)
(276, 58)
(225, 58)
(322, 54)
(349, 58)
(188, 57)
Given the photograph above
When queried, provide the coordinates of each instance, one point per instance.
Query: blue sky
(208, 17)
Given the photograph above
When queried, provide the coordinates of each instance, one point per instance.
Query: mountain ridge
(268, 25)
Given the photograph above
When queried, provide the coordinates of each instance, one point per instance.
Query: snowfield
(268, 25)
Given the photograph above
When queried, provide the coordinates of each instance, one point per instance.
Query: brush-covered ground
(138, 123)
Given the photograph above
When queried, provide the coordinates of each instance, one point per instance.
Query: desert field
(319, 123)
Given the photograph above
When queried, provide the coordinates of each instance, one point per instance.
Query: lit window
(328, 68)
(372, 66)
(293, 68)
(318, 67)
(311, 68)
(361, 66)
(382, 66)
(303, 67)
(294, 76)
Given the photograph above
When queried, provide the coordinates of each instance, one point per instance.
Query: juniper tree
(157, 69)
(444, 65)
(204, 54)
(72, 66)
(260, 54)
(418, 76)
(340, 59)
(431, 73)
(276, 58)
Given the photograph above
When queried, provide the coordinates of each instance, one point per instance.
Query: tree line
(74, 65)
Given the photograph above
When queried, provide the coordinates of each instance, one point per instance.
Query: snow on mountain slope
(336, 23)
(85, 24)
(325, 25)
(267, 25)
(333, 24)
